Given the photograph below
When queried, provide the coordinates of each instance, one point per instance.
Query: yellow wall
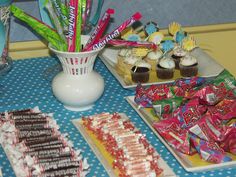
(219, 41)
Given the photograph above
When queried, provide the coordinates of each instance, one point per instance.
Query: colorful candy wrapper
(42, 29)
(189, 113)
(209, 151)
(145, 97)
(74, 32)
(211, 94)
(83, 13)
(100, 28)
(174, 135)
(167, 106)
(229, 143)
(226, 78)
(54, 18)
(78, 27)
(208, 128)
(124, 43)
(62, 14)
(190, 83)
(224, 110)
(115, 33)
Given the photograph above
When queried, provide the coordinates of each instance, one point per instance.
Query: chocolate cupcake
(188, 66)
(153, 57)
(177, 54)
(165, 68)
(130, 62)
(140, 72)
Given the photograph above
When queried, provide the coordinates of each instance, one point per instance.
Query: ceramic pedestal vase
(78, 86)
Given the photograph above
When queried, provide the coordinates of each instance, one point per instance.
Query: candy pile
(132, 153)
(196, 118)
(35, 147)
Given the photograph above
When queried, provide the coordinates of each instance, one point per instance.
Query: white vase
(78, 86)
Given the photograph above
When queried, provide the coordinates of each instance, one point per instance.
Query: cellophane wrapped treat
(35, 146)
(203, 122)
(131, 153)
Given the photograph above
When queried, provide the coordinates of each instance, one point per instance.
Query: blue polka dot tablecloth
(28, 84)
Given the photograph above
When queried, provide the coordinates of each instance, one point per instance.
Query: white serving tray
(183, 159)
(207, 66)
(168, 172)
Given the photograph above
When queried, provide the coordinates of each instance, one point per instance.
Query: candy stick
(78, 27)
(84, 13)
(62, 13)
(54, 18)
(115, 33)
(119, 43)
(88, 7)
(41, 28)
(73, 14)
(98, 31)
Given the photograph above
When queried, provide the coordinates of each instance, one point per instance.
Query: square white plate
(168, 172)
(181, 158)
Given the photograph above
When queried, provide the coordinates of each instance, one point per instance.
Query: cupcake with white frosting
(153, 57)
(140, 72)
(165, 68)
(122, 54)
(130, 62)
(188, 66)
(177, 54)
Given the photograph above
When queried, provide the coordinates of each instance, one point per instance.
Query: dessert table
(27, 85)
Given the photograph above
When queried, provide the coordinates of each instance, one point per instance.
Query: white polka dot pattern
(26, 86)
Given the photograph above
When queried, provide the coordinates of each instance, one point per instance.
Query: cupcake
(165, 68)
(122, 54)
(129, 62)
(153, 57)
(140, 72)
(188, 66)
(177, 54)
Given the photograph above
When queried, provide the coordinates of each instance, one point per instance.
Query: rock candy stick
(115, 33)
(41, 28)
(100, 28)
(118, 42)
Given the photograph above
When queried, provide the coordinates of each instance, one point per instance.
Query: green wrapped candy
(226, 78)
(42, 29)
(167, 106)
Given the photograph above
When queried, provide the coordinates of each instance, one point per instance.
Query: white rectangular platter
(207, 66)
(168, 172)
(183, 159)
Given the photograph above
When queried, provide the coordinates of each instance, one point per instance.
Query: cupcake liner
(188, 71)
(163, 73)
